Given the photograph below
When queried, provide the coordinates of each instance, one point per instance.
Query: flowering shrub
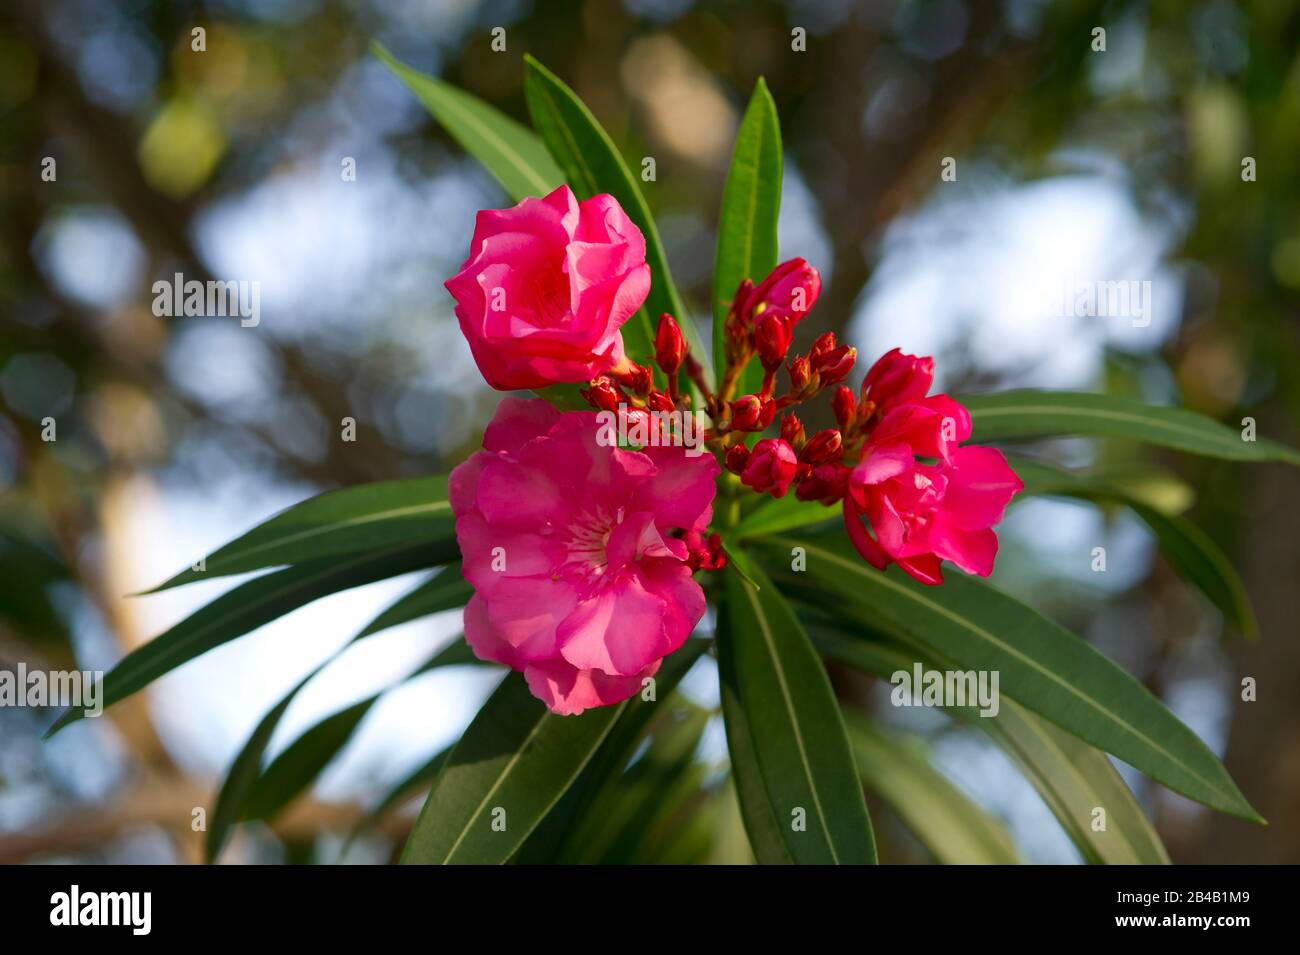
(603, 563)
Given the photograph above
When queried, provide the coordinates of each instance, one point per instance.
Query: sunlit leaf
(509, 150)
(751, 205)
(794, 772)
(1036, 414)
(1042, 665)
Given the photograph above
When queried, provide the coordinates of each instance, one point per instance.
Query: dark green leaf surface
(1041, 664)
(1072, 777)
(777, 514)
(1036, 414)
(353, 520)
(243, 609)
(516, 757)
(444, 591)
(751, 205)
(790, 735)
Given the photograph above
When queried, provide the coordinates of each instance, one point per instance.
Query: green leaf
(551, 839)
(401, 791)
(516, 757)
(507, 149)
(941, 816)
(1072, 777)
(751, 205)
(348, 521)
(1188, 549)
(243, 609)
(298, 765)
(777, 514)
(294, 769)
(1040, 663)
(784, 729)
(1037, 414)
(444, 591)
(620, 824)
(592, 165)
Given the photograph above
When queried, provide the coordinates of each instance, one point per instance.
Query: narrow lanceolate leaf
(444, 591)
(941, 816)
(245, 608)
(509, 150)
(1073, 778)
(550, 839)
(1037, 414)
(751, 204)
(367, 517)
(1188, 549)
(795, 770)
(1041, 664)
(775, 515)
(592, 165)
(293, 771)
(510, 768)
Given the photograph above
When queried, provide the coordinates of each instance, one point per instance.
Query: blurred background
(174, 434)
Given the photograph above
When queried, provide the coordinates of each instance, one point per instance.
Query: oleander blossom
(576, 554)
(919, 513)
(546, 287)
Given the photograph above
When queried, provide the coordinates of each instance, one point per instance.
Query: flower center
(588, 540)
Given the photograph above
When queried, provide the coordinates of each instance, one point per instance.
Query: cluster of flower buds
(762, 318)
(794, 458)
(632, 386)
(827, 363)
(704, 553)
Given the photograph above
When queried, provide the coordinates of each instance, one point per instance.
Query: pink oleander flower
(770, 467)
(576, 553)
(546, 287)
(920, 514)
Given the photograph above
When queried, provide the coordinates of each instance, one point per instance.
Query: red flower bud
(737, 457)
(834, 365)
(792, 430)
(658, 401)
(636, 377)
(800, 374)
(771, 467)
(670, 347)
(772, 336)
(789, 291)
(827, 484)
(603, 394)
(766, 414)
(746, 412)
(825, 343)
(822, 447)
(844, 405)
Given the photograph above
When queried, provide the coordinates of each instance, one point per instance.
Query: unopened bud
(772, 336)
(603, 394)
(843, 403)
(822, 447)
(737, 458)
(746, 412)
(670, 347)
(792, 430)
